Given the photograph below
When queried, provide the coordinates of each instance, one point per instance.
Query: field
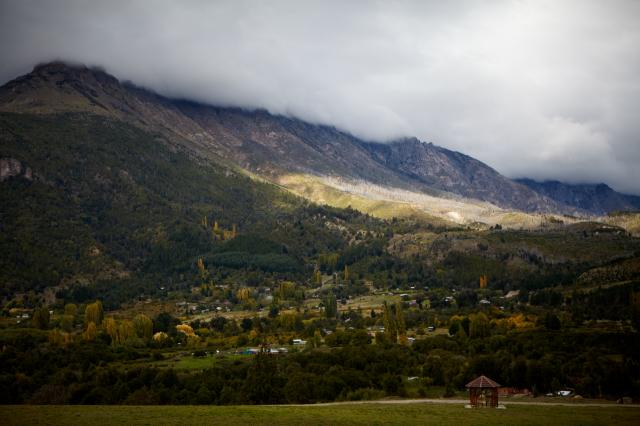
(350, 414)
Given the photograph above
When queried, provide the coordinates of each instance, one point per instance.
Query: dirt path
(466, 401)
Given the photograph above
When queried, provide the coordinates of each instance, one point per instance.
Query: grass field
(349, 414)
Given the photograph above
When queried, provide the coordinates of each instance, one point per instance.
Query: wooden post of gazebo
(483, 392)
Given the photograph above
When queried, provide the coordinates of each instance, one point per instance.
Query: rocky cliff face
(272, 146)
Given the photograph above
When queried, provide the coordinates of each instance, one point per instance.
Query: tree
(400, 325)
(126, 331)
(243, 294)
(479, 326)
(41, 318)
(71, 309)
(483, 281)
(264, 383)
(551, 321)
(390, 328)
(111, 327)
(202, 269)
(165, 322)
(66, 323)
(91, 332)
(94, 313)
(143, 326)
(346, 273)
(330, 306)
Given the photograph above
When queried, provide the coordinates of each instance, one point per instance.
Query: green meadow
(347, 414)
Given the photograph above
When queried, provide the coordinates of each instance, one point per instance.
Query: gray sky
(548, 89)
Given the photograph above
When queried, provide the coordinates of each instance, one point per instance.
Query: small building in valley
(483, 392)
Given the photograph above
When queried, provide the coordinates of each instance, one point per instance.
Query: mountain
(598, 198)
(256, 140)
(454, 172)
(277, 148)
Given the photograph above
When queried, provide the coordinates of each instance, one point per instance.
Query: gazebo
(483, 392)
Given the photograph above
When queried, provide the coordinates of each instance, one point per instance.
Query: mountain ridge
(272, 146)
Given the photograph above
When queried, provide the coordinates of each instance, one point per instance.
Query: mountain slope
(454, 172)
(255, 140)
(275, 146)
(598, 199)
(105, 207)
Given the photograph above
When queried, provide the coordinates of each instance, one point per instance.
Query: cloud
(536, 88)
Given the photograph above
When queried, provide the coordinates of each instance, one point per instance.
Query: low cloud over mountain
(541, 89)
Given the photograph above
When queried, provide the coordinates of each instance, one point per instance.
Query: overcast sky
(544, 89)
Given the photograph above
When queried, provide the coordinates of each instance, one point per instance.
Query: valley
(156, 251)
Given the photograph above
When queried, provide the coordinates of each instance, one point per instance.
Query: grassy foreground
(354, 414)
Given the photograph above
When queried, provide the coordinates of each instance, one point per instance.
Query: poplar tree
(390, 329)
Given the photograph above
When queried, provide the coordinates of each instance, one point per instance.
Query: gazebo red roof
(482, 382)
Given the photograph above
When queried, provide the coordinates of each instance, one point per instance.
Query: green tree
(41, 318)
(401, 325)
(479, 326)
(330, 306)
(71, 309)
(67, 322)
(390, 328)
(143, 326)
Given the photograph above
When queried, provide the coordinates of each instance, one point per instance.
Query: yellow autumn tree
(55, 337)
(160, 336)
(111, 327)
(243, 294)
(204, 274)
(93, 313)
(185, 329)
(91, 332)
(483, 281)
